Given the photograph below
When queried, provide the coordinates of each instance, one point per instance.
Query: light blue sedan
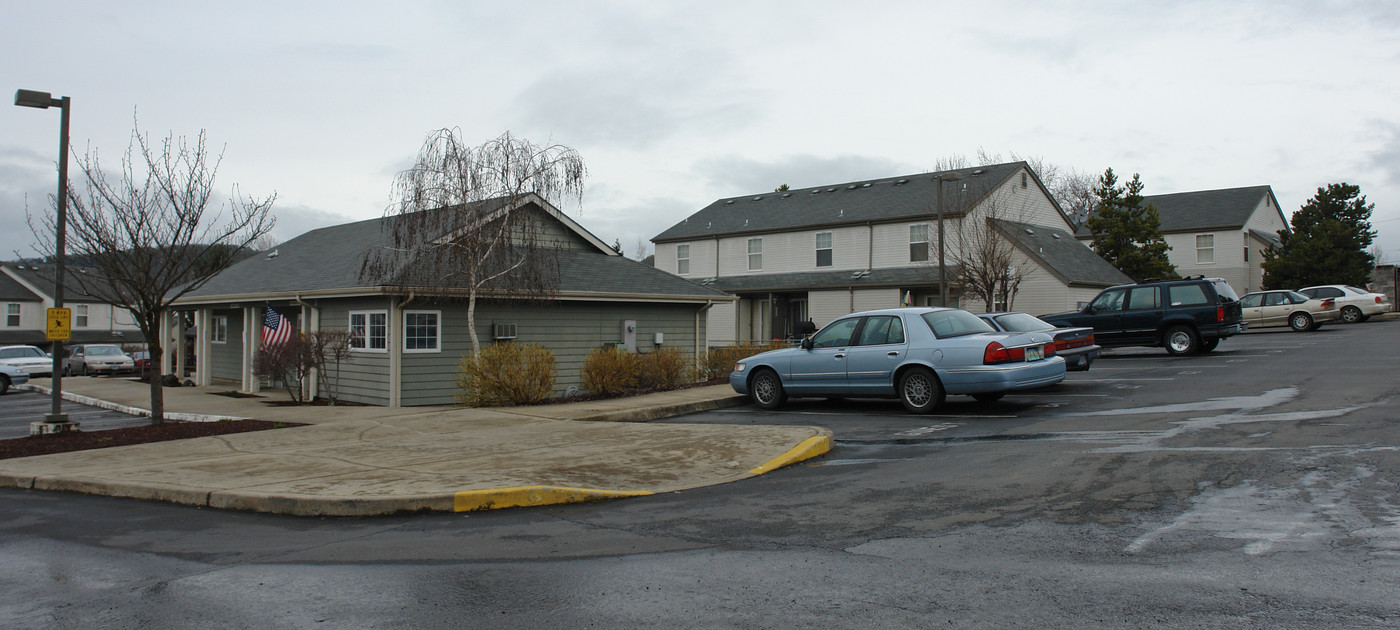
(919, 355)
(11, 375)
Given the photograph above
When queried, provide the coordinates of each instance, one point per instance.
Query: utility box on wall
(629, 334)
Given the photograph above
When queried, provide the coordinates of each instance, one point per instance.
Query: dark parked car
(1185, 316)
(1075, 345)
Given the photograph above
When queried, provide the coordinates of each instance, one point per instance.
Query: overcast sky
(673, 105)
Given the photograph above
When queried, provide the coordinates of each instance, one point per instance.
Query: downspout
(698, 314)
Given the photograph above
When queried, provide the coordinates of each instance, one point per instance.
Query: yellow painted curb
(809, 448)
(469, 500)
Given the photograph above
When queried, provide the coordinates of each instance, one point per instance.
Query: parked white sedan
(28, 359)
(1357, 305)
(1287, 308)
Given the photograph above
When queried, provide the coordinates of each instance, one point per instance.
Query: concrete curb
(657, 412)
(127, 409)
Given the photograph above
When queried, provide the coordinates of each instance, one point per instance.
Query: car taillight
(1049, 350)
(1219, 313)
(1328, 303)
(1378, 299)
(997, 353)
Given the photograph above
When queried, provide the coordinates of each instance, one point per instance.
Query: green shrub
(665, 366)
(609, 370)
(506, 374)
(719, 362)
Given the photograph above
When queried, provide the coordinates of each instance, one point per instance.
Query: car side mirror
(807, 343)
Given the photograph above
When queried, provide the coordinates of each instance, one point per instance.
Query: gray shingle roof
(82, 281)
(1208, 209)
(886, 199)
(12, 291)
(330, 258)
(1058, 251)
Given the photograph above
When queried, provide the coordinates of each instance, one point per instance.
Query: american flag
(276, 329)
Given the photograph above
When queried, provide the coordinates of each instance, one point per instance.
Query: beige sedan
(1288, 308)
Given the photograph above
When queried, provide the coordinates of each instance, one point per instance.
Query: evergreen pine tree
(1127, 233)
(1327, 244)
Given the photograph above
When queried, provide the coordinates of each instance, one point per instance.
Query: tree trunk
(157, 358)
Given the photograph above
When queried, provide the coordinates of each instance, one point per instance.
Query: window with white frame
(823, 249)
(80, 316)
(683, 259)
(12, 315)
(755, 254)
(918, 242)
(218, 332)
(420, 331)
(369, 331)
(1205, 249)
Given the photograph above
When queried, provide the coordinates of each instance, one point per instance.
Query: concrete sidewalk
(360, 461)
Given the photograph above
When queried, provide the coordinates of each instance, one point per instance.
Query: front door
(822, 369)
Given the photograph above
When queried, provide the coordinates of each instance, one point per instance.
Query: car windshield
(103, 351)
(21, 353)
(955, 323)
(1021, 322)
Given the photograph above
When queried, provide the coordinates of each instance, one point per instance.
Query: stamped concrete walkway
(360, 461)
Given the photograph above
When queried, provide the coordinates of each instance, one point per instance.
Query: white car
(1287, 308)
(28, 359)
(1357, 305)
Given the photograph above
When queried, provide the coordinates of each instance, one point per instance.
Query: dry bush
(666, 366)
(719, 362)
(609, 370)
(506, 374)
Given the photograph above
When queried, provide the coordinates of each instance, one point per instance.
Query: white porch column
(203, 335)
(252, 337)
(178, 328)
(167, 363)
(311, 323)
(395, 343)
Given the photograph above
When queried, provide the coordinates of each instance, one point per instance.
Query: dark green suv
(1185, 316)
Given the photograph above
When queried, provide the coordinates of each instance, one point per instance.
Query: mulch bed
(84, 440)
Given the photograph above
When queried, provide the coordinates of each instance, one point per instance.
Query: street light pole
(942, 270)
(45, 100)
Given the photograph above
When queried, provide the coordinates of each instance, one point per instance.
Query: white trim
(437, 332)
(368, 314)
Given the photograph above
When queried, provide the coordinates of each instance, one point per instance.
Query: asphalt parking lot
(19, 408)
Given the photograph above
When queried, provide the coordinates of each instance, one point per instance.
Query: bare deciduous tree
(330, 348)
(458, 224)
(154, 231)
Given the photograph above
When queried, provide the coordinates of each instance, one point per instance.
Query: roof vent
(1055, 236)
(816, 190)
(757, 198)
(979, 171)
(1030, 231)
(272, 254)
(786, 195)
(860, 274)
(708, 224)
(841, 213)
(851, 187)
(729, 203)
(865, 185)
(831, 190)
(746, 221)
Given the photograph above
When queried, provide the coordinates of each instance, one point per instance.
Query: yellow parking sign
(60, 324)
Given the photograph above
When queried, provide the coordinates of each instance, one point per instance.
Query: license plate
(1034, 354)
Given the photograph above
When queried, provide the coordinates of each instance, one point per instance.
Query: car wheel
(1352, 315)
(1301, 322)
(1209, 344)
(920, 391)
(4, 384)
(766, 389)
(1181, 340)
(988, 397)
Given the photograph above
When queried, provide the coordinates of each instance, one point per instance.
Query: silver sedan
(1288, 308)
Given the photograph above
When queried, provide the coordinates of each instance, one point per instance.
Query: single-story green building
(407, 343)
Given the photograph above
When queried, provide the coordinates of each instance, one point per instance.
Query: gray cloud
(295, 220)
(1386, 159)
(735, 175)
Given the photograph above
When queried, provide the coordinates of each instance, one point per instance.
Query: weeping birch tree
(462, 222)
(153, 231)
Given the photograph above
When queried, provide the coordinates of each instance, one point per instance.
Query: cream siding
(1229, 257)
(825, 306)
(869, 299)
(721, 322)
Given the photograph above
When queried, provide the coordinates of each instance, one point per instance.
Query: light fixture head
(33, 98)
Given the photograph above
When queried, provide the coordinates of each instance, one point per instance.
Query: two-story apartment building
(26, 293)
(822, 252)
(1219, 233)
